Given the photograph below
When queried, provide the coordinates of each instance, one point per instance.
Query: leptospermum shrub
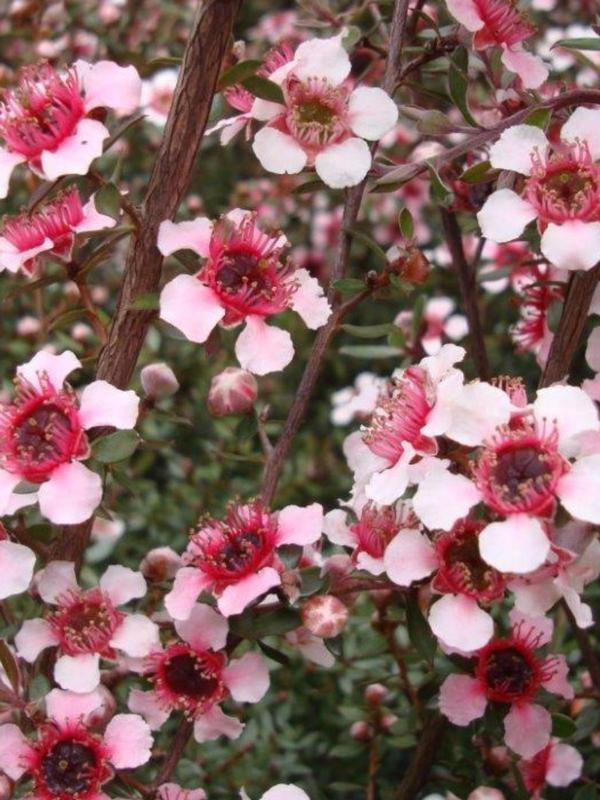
(299, 426)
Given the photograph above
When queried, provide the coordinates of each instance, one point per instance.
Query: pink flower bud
(325, 616)
(388, 721)
(361, 731)
(375, 693)
(158, 381)
(232, 391)
(160, 564)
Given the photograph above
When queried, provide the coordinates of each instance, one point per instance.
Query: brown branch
(175, 752)
(588, 651)
(297, 412)
(170, 177)
(570, 327)
(468, 288)
(423, 758)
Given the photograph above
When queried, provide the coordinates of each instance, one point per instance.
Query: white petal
(262, 348)
(192, 234)
(16, 567)
(568, 408)
(584, 124)
(579, 489)
(309, 300)
(345, 164)
(129, 739)
(56, 367)
(8, 161)
(504, 216)
(75, 153)
(35, 635)
(443, 497)
(278, 152)
(136, 636)
(190, 306)
(467, 13)
(71, 495)
(518, 544)
(476, 413)
(514, 148)
(55, 580)
(530, 68)
(205, 629)
(104, 404)
(459, 623)
(409, 557)
(322, 58)
(80, 674)
(372, 112)
(572, 245)
(107, 85)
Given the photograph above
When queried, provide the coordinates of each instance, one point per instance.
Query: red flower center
(69, 764)
(86, 622)
(377, 527)
(316, 112)
(188, 679)
(69, 767)
(503, 24)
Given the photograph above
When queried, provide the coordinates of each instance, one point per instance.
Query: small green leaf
(238, 73)
(368, 331)
(406, 224)
(165, 61)
(312, 581)
(419, 632)
(250, 625)
(115, 447)
(365, 239)
(147, 301)
(349, 285)
(439, 191)
(370, 351)
(540, 118)
(351, 37)
(108, 200)
(273, 654)
(264, 88)
(479, 173)
(39, 687)
(458, 82)
(591, 43)
(563, 726)
(434, 121)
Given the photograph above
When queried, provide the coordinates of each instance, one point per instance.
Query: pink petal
(559, 682)
(75, 153)
(336, 529)
(344, 164)
(55, 580)
(309, 300)
(16, 567)
(147, 705)
(530, 68)
(539, 626)
(71, 495)
(204, 629)
(285, 791)
(278, 152)
(572, 245)
(129, 740)
(467, 13)
(136, 636)
(80, 673)
(579, 489)
(104, 404)
(93, 220)
(214, 724)
(504, 216)
(534, 599)
(514, 148)
(191, 307)
(35, 635)
(364, 561)
(247, 678)
(569, 409)
(122, 584)
(462, 699)
(322, 58)
(55, 367)
(236, 597)
(262, 348)
(518, 544)
(460, 624)
(527, 729)
(371, 112)
(443, 497)
(107, 85)
(15, 751)
(192, 234)
(564, 764)
(13, 259)
(477, 411)
(8, 482)
(584, 124)
(409, 557)
(68, 707)
(387, 486)
(188, 584)
(8, 161)
(296, 525)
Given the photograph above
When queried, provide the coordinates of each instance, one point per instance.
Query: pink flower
(558, 764)
(357, 401)
(561, 190)
(16, 566)
(509, 671)
(244, 279)
(439, 321)
(236, 558)
(86, 625)
(49, 229)
(157, 95)
(537, 292)
(194, 676)
(43, 436)
(46, 121)
(66, 758)
(499, 23)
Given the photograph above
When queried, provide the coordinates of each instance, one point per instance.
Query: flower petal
(527, 729)
(459, 623)
(16, 567)
(55, 367)
(137, 636)
(467, 13)
(504, 216)
(299, 525)
(8, 161)
(409, 557)
(564, 765)
(278, 152)
(262, 348)
(516, 145)
(322, 58)
(192, 234)
(309, 300)
(79, 674)
(204, 629)
(214, 724)
(530, 68)
(579, 489)
(462, 699)
(572, 245)
(103, 404)
(568, 408)
(75, 153)
(371, 112)
(71, 495)
(146, 704)
(56, 580)
(443, 497)
(247, 678)
(93, 220)
(236, 597)
(129, 740)
(14, 751)
(344, 164)
(122, 584)
(191, 307)
(584, 125)
(188, 584)
(518, 544)
(107, 85)
(285, 791)
(34, 636)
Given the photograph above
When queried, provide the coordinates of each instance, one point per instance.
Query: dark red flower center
(69, 768)
(239, 268)
(86, 622)
(518, 467)
(509, 673)
(189, 675)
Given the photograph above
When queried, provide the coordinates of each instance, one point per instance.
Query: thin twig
(423, 758)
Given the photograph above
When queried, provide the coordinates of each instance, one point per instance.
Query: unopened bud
(361, 731)
(409, 265)
(158, 381)
(160, 564)
(325, 616)
(388, 721)
(375, 694)
(232, 391)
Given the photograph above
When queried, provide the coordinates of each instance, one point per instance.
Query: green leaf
(439, 191)
(406, 224)
(479, 173)
(273, 654)
(349, 285)
(264, 88)
(108, 200)
(238, 73)
(312, 581)
(368, 331)
(370, 351)
(251, 625)
(540, 118)
(115, 447)
(9, 662)
(588, 792)
(365, 239)
(147, 301)
(591, 43)
(434, 121)
(458, 82)
(351, 37)
(419, 632)
(165, 61)
(563, 726)
(39, 687)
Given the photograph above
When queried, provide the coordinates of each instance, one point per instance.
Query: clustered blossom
(324, 119)
(43, 437)
(46, 120)
(244, 279)
(50, 229)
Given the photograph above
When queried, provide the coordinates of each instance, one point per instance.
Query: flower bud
(375, 694)
(158, 381)
(325, 616)
(160, 564)
(361, 731)
(388, 721)
(232, 391)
